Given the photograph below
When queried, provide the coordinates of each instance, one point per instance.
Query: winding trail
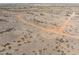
(59, 31)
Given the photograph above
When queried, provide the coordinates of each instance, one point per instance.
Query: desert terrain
(39, 29)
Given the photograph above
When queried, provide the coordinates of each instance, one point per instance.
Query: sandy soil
(39, 29)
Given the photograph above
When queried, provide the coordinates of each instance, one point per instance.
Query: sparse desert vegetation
(39, 30)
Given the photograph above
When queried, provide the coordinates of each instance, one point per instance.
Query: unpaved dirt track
(39, 29)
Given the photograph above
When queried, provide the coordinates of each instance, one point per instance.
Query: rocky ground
(39, 30)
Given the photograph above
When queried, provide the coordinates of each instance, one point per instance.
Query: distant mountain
(21, 5)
